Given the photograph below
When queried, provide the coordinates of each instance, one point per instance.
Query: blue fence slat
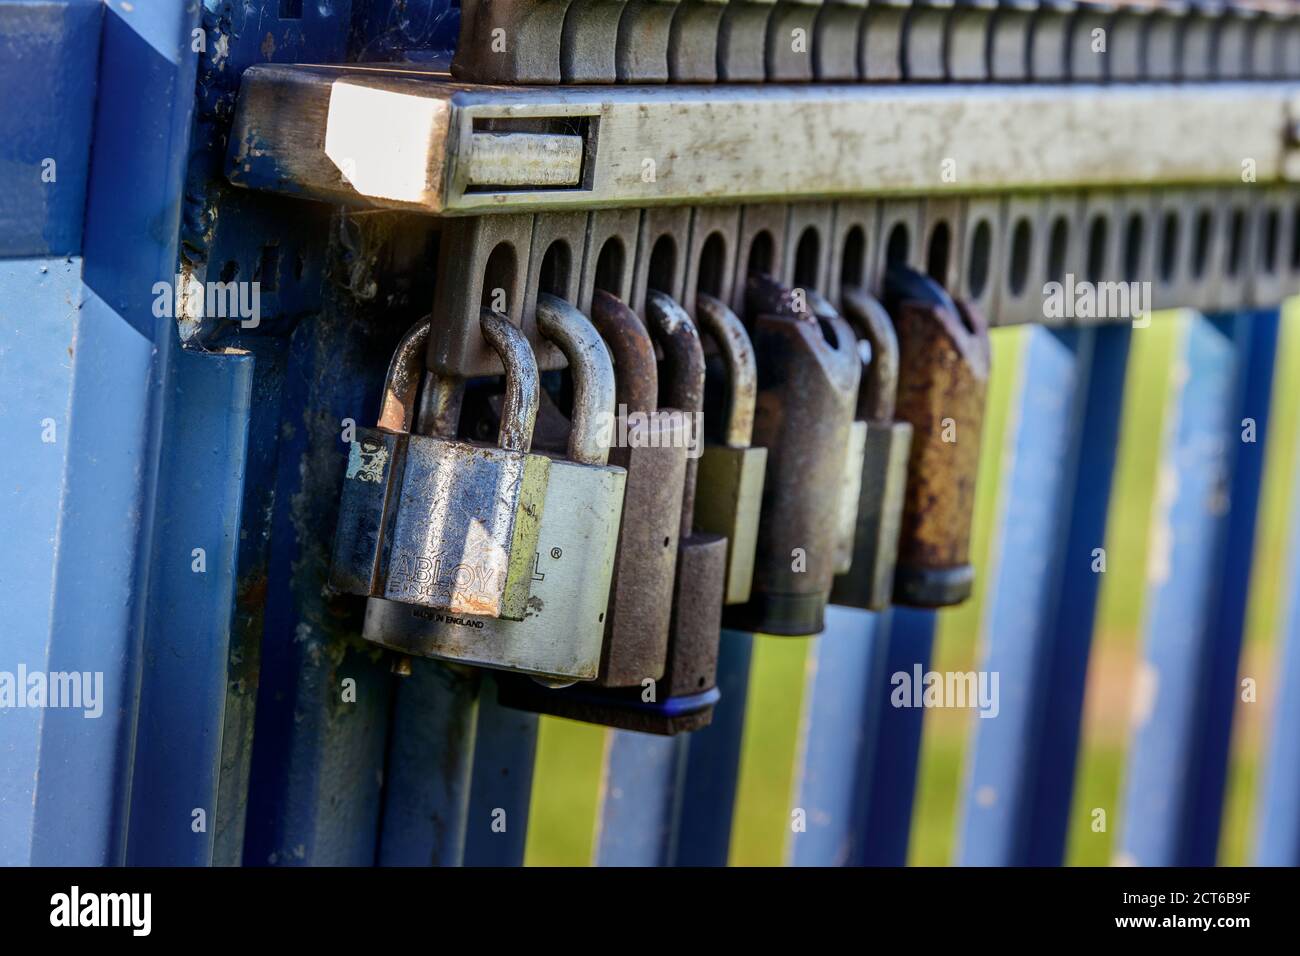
(891, 786)
(837, 738)
(191, 605)
(430, 760)
(713, 762)
(1042, 594)
(501, 785)
(49, 57)
(1278, 836)
(641, 795)
(1190, 647)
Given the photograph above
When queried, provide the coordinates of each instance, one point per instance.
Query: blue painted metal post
(641, 796)
(1278, 835)
(1202, 544)
(191, 605)
(1042, 587)
(501, 787)
(891, 784)
(837, 738)
(430, 760)
(713, 762)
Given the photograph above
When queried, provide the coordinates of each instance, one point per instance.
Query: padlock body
(728, 502)
(807, 390)
(684, 698)
(943, 380)
(559, 638)
(467, 526)
(367, 507)
(850, 495)
(641, 595)
(869, 581)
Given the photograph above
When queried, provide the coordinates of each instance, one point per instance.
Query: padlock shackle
(879, 390)
(593, 377)
(742, 370)
(523, 384)
(402, 384)
(635, 371)
(675, 330)
(677, 335)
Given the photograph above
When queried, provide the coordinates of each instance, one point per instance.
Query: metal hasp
(942, 381)
(559, 639)
(510, 41)
(742, 41)
(808, 375)
(866, 580)
(835, 40)
(408, 140)
(644, 35)
(439, 523)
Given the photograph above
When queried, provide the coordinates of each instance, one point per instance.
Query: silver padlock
(437, 522)
(559, 640)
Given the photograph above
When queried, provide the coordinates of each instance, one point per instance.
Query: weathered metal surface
(729, 480)
(865, 576)
(943, 378)
(1044, 580)
(405, 140)
(517, 41)
(640, 597)
(807, 388)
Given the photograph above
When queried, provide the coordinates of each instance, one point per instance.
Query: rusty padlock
(943, 373)
(729, 485)
(808, 374)
(652, 447)
(683, 699)
(868, 581)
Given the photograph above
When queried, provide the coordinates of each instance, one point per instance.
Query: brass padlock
(729, 485)
(943, 374)
(651, 446)
(441, 523)
(868, 581)
(559, 640)
(808, 373)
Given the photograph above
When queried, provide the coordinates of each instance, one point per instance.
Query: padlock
(436, 522)
(849, 494)
(868, 580)
(683, 699)
(559, 640)
(808, 374)
(651, 447)
(729, 484)
(943, 371)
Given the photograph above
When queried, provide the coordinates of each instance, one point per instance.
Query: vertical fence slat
(430, 762)
(641, 795)
(713, 762)
(501, 784)
(891, 786)
(1278, 837)
(1183, 706)
(1042, 594)
(838, 737)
